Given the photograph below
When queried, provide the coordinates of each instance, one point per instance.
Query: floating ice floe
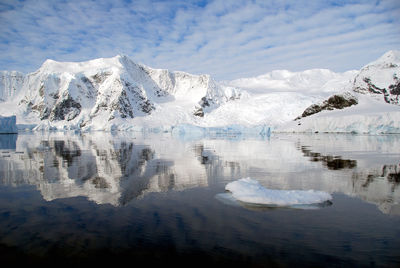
(251, 192)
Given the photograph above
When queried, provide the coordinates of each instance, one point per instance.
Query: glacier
(117, 94)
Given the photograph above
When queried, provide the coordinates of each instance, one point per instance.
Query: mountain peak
(380, 78)
(393, 55)
(388, 60)
(52, 66)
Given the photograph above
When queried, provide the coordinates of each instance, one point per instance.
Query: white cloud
(227, 39)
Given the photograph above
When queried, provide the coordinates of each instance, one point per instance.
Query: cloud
(227, 39)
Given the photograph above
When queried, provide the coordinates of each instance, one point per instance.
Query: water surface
(98, 198)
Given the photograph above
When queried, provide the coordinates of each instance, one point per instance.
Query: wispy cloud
(227, 39)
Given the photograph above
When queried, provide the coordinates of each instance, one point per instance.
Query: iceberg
(187, 129)
(8, 124)
(231, 132)
(250, 191)
(8, 141)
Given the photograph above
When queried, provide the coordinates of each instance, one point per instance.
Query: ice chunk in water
(250, 191)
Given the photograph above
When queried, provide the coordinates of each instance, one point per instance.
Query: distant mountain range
(119, 94)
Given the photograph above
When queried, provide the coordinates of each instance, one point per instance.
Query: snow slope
(369, 116)
(315, 81)
(280, 96)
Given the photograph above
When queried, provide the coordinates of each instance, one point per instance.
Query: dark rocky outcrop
(199, 112)
(394, 89)
(338, 101)
(391, 94)
(65, 109)
(204, 102)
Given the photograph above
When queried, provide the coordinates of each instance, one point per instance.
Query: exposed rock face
(339, 101)
(65, 109)
(390, 94)
(215, 96)
(199, 112)
(101, 87)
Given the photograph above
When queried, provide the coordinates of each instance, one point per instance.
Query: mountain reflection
(331, 162)
(103, 168)
(117, 169)
(372, 181)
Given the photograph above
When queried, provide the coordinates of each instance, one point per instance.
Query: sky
(227, 39)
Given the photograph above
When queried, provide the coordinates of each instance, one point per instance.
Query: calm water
(153, 199)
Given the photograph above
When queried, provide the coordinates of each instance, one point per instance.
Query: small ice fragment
(248, 190)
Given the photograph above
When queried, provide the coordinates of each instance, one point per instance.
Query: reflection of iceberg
(251, 191)
(232, 132)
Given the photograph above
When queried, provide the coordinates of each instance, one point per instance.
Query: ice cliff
(8, 125)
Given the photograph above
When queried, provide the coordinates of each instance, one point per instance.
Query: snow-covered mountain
(354, 101)
(101, 93)
(373, 95)
(280, 96)
(119, 94)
